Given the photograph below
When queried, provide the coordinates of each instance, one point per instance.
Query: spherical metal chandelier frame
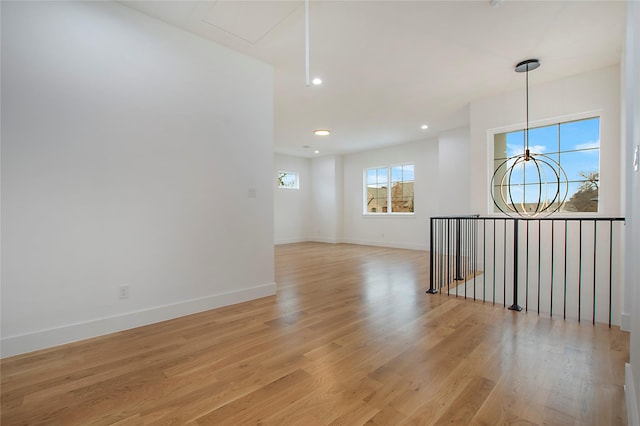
(547, 173)
(544, 205)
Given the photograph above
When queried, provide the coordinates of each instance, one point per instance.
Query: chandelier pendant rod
(526, 133)
(306, 41)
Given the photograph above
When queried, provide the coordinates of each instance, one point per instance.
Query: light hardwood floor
(351, 338)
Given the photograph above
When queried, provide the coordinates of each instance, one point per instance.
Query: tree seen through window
(575, 145)
(379, 199)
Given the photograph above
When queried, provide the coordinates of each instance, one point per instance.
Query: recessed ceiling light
(316, 152)
(316, 81)
(321, 132)
(424, 127)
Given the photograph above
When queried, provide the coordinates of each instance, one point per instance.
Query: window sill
(389, 215)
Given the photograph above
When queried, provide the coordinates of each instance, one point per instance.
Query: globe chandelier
(529, 184)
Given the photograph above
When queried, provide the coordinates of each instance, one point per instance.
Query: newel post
(515, 306)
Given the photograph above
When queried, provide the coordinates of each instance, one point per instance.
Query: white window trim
(296, 174)
(366, 213)
(538, 123)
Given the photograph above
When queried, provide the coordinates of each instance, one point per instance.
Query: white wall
(632, 137)
(392, 231)
(594, 91)
(597, 91)
(124, 162)
(335, 194)
(326, 199)
(292, 207)
(453, 162)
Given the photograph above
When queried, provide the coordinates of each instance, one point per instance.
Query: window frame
(389, 167)
(536, 124)
(297, 179)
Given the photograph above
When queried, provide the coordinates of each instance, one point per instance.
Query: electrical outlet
(123, 292)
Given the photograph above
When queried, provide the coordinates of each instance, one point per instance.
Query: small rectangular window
(288, 180)
(389, 189)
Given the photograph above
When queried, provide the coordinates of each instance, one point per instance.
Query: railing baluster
(595, 247)
(466, 256)
(494, 262)
(552, 258)
(564, 308)
(580, 273)
(504, 264)
(475, 257)
(458, 250)
(539, 262)
(455, 243)
(449, 274)
(431, 254)
(515, 306)
(440, 254)
(610, 266)
(484, 259)
(526, 279)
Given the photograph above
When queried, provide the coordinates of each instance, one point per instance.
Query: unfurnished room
(316, 212)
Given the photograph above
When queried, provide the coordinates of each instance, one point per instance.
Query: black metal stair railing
(564, 265)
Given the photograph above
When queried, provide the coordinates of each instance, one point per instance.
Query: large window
(575, 145)
(389, 190)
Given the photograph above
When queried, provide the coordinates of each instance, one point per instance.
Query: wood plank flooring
(350, 339)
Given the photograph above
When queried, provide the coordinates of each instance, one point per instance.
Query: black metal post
(595, 245)
(432, 289)
(580, 271)
(458, 253)
(610, 266)
(564, 299)
(444, 247)
(515, 306)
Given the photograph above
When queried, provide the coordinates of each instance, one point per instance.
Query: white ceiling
(390, 66)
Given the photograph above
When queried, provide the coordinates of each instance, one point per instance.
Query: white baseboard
(324, 240)
(630, 397)
(625, 322)
(390, 244)
(19, 344)
(291, 240)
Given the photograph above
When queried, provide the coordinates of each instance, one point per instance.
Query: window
(288, 180)
(575, 145)
(378, 199)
